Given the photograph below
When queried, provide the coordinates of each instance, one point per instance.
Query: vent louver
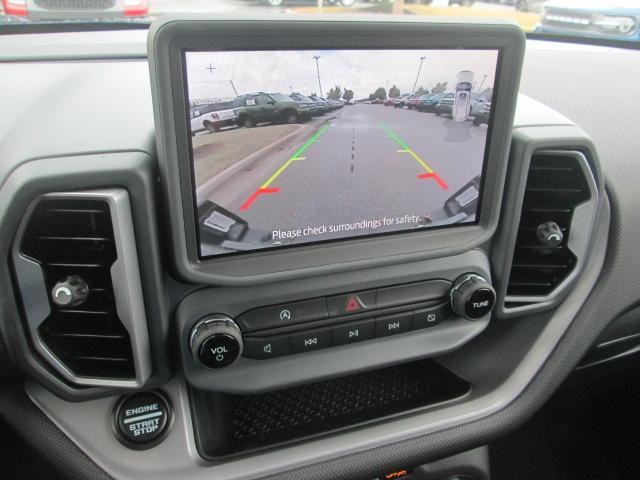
(556, 185)
(75, 236)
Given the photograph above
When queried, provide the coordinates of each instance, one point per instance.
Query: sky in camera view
(211, 73)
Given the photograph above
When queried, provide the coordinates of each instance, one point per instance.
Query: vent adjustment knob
(472, 297)
(550, 234)
(71, 291)
(216, 341)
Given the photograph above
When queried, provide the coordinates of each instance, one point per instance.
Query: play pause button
(354, 332)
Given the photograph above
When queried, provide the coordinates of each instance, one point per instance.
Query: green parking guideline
(295, 156)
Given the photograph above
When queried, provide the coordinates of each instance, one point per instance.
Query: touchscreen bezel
(169, 39)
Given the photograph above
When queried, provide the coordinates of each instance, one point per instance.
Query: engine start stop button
(142, 419)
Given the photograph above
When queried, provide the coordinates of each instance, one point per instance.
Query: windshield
(278, 97)
(300, 98)
(200, 108)
(598, 20)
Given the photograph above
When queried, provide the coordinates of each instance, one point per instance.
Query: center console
(318, 323)
(354, 239)
(241, 339)
(338, 236)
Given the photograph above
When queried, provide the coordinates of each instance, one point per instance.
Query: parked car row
(251, 109)
(443, 104)
(401, 101)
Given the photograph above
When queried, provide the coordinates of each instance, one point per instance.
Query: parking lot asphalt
(366, 162)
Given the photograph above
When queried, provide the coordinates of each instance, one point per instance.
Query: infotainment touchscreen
(298, 147)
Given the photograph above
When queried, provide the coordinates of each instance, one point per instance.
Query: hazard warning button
(351, 303)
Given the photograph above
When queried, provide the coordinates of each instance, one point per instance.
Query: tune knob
(216, 341)
(472, 297)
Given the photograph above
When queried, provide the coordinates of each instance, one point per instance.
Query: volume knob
(472, 297)
(216, 341)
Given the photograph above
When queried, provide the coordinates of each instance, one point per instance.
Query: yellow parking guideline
(420, 161)
(295, 156)
(278, 172)
(406, 148)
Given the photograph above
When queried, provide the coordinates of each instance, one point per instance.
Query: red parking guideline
(255, 195)
(436, 177)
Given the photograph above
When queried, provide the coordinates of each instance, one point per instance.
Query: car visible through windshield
(594, 20)
(617, 20)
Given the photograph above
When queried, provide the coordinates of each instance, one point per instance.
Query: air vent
(95, 342)
(557, 183)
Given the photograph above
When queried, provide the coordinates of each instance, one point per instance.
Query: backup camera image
(296, 147)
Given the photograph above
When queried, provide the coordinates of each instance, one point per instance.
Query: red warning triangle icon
(353, 305)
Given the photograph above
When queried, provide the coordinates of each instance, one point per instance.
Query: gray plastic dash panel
(127, 289)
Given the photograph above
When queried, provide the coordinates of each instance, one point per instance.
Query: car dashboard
(85, 161)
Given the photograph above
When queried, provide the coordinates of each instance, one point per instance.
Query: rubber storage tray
(230, 425)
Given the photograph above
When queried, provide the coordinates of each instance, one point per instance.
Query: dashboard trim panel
(36, 177)
(528, 140)
(580, 232)
(127, 290)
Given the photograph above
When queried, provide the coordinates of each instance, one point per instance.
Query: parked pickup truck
(261, 107)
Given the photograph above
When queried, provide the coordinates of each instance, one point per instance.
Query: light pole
(482, 83)
(317, 57)
(417, 76)
(234, 87)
